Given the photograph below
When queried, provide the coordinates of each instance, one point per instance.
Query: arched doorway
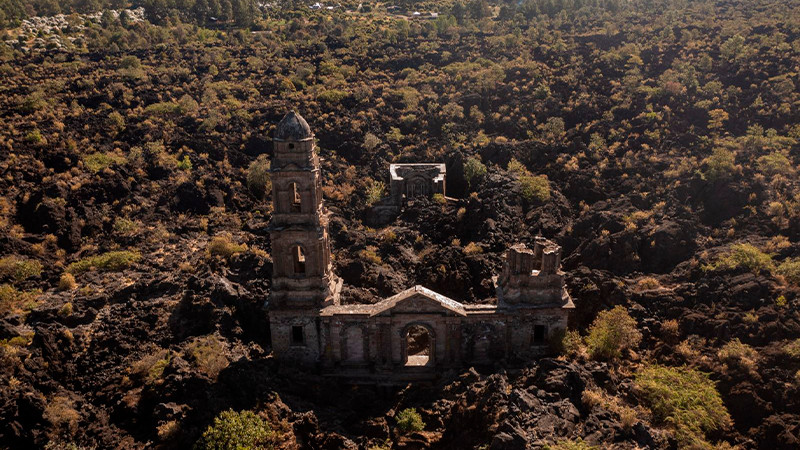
(418, 344)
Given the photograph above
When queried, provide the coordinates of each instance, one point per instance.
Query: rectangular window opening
(539, 334)
(298, 337)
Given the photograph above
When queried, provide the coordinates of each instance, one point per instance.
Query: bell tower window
(299, 260)
(296, 201)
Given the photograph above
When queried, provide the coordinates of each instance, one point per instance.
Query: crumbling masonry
(413, 334)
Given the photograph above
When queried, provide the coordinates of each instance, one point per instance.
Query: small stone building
(409, 336)
(409, 181)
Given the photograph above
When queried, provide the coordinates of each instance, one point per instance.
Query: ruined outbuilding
(410, 181)
(408, 336)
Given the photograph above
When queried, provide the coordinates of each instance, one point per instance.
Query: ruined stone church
(414, 333)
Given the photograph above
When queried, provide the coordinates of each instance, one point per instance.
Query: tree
(474, 171)
(612, 332)
(720, 165)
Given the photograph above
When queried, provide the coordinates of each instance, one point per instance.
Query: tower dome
(293, 128)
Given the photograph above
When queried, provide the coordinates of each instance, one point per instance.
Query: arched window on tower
(295, 197)
(299, 260)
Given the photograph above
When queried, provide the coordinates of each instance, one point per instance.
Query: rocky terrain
(658, 148)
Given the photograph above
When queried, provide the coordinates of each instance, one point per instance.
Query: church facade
(414, 333)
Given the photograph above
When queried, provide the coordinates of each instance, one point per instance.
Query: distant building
(410, 181)
(413, 335)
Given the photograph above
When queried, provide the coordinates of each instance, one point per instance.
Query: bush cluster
(684, 399)
(612, 332)
(409, 420)
(108, 262)
(237, 431)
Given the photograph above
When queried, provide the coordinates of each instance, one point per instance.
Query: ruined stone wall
(282, 328)
(361, 341)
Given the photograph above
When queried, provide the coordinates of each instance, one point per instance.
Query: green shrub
(258, 179)
(472, 249)
(151, 367)
(13, 300)
(237, 431)
(370, 254)
(720, 165)
(790, 269)
(34, 136)
(775, 164)
(107, 262)
(611, 332)
(474, 171)
(331, 96)
(96, 162)
(571, 343)
(684, 399)
(18, 268)
(738, 354)
(793, 348)
(747, 256)
(224, 247)
(535, 188)
(66, 282)
(375, 191)
(185, 163)
(33, 102)
(163, 109)
(125, 226)
(409, 420)
(115, 121)
(517, 168)
(208, 353)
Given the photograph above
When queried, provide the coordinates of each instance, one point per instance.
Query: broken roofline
(454, 306)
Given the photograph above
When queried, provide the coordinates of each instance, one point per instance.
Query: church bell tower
(303, 281)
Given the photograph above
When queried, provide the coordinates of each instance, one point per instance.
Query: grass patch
(472, 249)
(683, 399)
(67, 282)
(790, 270)
(106, 262)
(737, 354)
(126, 227)
(223, 246)
(13, 300)
(793, 348)
(370, 254)
(18, 268)
(98, 161)
(597, 397)
(151, 367)
(208, 353)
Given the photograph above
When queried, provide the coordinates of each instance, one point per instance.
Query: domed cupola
(293, 128)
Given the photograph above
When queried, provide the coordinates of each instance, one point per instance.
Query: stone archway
(419, 344)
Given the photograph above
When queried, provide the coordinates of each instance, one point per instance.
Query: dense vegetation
(655, 140)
